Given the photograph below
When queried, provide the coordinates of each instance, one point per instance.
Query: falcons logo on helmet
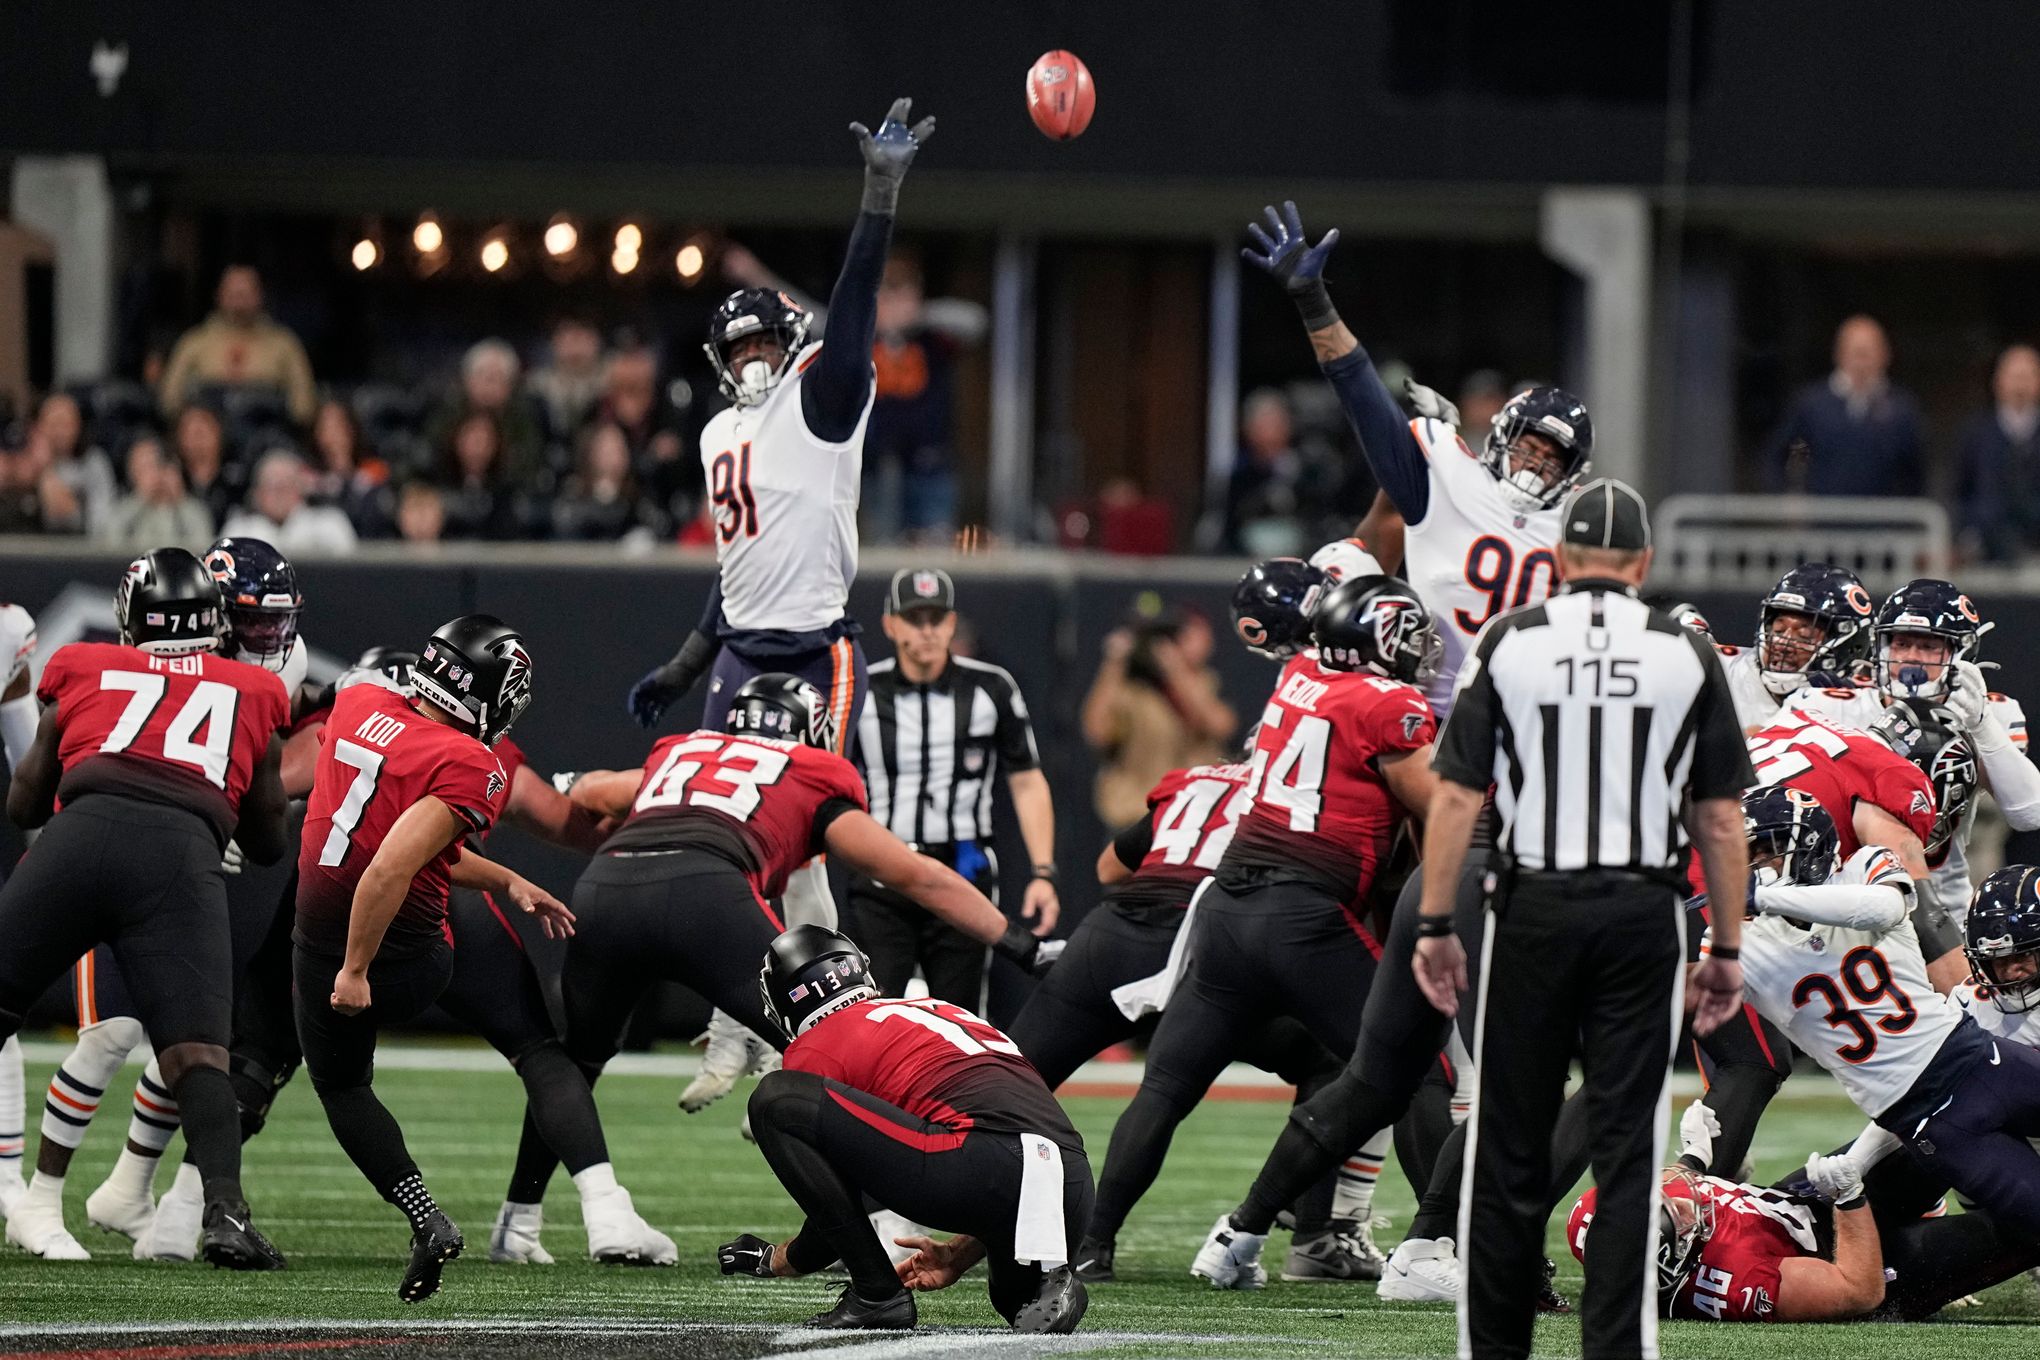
(517, 676)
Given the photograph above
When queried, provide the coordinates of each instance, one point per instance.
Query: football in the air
(1060, 97)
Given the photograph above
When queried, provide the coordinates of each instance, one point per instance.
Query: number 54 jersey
(182, 730)
(378, 755)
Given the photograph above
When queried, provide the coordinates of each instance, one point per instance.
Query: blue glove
(888, 154)
(1295, 263)
(651, 696)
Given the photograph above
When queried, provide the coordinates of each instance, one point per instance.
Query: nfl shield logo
(1521, 521)
(925, 585)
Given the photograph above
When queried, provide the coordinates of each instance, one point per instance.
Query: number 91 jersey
(1474, 554)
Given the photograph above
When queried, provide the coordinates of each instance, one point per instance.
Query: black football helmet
(259, 592)
(168, 604)
(1934, 608)
(783, 707)
(476, 668)
(2004, 924)
(1837, 603)
(1376, 623)
(755, 311)
(810, 971)
(1272, 604)
(1945, 757)
(394, 664)
(1792, 825)
(1560, 417)
(1685, 1225)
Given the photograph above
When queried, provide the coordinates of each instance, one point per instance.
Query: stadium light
(690, 261)
(561, 237)
(365, 255)
(630, 239)
(427, 236)
(495, 253)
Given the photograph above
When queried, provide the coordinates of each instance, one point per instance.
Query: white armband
(2014, 781)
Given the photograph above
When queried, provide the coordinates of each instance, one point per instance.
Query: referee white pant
(1592, 962)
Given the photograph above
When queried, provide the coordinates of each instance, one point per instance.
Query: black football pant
(686, 916)
(1284, 949)
(832, 1146)
(896, 935)
(340, 1051)
(1592, 962)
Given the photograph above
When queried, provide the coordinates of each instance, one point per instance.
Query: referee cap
(1606, 513)
(921, 588)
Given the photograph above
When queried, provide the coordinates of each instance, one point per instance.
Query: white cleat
(1231, 1259)
(38, 1229)
(732, 1053)
(117, 1210)
(172, 1235)
(1421, 1270)
(619, 1235)
(12, 1188)
(513, 1241)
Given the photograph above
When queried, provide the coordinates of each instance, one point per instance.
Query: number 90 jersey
(764, 805)
(1321, 811)
(181, 730)
(1474, 553)
(1842, 766)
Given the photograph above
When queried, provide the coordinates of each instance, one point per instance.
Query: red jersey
(938, 1062)
(764, 805)
(1192, 815)
(378, 755)
(1322, 810)
(1736, 1279)
(1842, 766)
(183, 730)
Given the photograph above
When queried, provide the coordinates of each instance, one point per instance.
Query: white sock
(133, 1174)
(13, 1109)
(81, 1080)
(807, 900)
(595, 1181)
(1354, 1197)
(188, 1185)
(43, 1188)
(154, 1119)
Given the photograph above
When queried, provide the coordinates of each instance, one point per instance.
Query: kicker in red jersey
(187, 731)
(1842, 766)
(1321, 809)
(937, 1062)
(762, 804)
(378, 756)
(1193, 815)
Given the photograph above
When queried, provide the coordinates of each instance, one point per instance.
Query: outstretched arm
(1386, 442)
(659, 689)
(839, 384)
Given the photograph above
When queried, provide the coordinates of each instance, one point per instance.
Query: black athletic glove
(1296, 264)
(748, 1255)
(1023, 947)
(888, 154)
(651, 696)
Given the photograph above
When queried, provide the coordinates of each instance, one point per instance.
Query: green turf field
(696, 1179)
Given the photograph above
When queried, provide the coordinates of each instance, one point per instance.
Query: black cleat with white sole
(230, 1241)
(854, 1312)
(1058, 1308)
(1549, 1300)
(432, 1246)
(1094, 1261)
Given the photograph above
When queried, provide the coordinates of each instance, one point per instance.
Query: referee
(935, 733)
(1609, 736)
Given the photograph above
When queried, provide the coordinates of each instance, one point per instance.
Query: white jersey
(1755, 705)
(1857, 1000)
(785, 510)
(1474, 554)
(2019, 1027)
(17, 643)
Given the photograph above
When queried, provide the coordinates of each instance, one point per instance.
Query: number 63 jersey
(378, 756)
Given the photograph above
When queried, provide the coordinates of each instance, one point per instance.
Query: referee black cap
(1606, 513)
(921, 588)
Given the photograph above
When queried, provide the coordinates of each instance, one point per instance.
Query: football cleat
(853, 1312)
(1549, 1300)
(1329, 1258)
(732, 1053)
(618, 1235)
(230, 1241)
(1058, 1308)
(432, 1246)
(120, 1210)
(172, 1235)
(1094, 1261)
(1421, 1270)
(37, 1227)
(513, 1240)
(1229, 1258)
(1361, 1231)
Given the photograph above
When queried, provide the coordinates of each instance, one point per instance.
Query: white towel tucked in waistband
(1144, 996)
(1038, 1234)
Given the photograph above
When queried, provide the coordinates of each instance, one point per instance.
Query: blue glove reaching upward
(888, 154)
(1298, 265)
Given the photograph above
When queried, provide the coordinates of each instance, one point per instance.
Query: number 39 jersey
(1474, 553)
(1321, 810)
(378, 756)
(763, 805)
(937, 1062)
(182, 730)
(1842, 766)
(1192, 816)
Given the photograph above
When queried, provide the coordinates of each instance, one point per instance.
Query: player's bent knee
(785, 1100)
(175, 1060)
(112, 1040)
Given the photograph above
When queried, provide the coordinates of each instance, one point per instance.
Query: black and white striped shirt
(930, 753)
(1596, 718)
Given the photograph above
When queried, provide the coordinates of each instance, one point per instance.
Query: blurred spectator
(1480, 400)
(1154, 707)
(1132, 523)
(1998, 461)
(600, 501)
(1277, 489)
(201, 453)
(239, 346)
(909, 445)
(347, 473)
(26, 484)
(1855, 434)
(488, 386)
(157, 511)
(279, 514)
(421, 513)
(569, 383)
(474, 486)
(632, 402)
(86, 472)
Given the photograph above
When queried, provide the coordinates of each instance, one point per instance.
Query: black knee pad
(786, 1100)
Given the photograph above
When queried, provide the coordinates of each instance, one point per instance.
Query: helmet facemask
(1907, 666)
(751, 381)
(1685, 1223)
(262, 634)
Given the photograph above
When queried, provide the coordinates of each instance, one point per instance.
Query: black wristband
(1727, 953)
(1017, 944)
(1314, 302)
(1045, 872)
(1433, 927)
(1843, 1206)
